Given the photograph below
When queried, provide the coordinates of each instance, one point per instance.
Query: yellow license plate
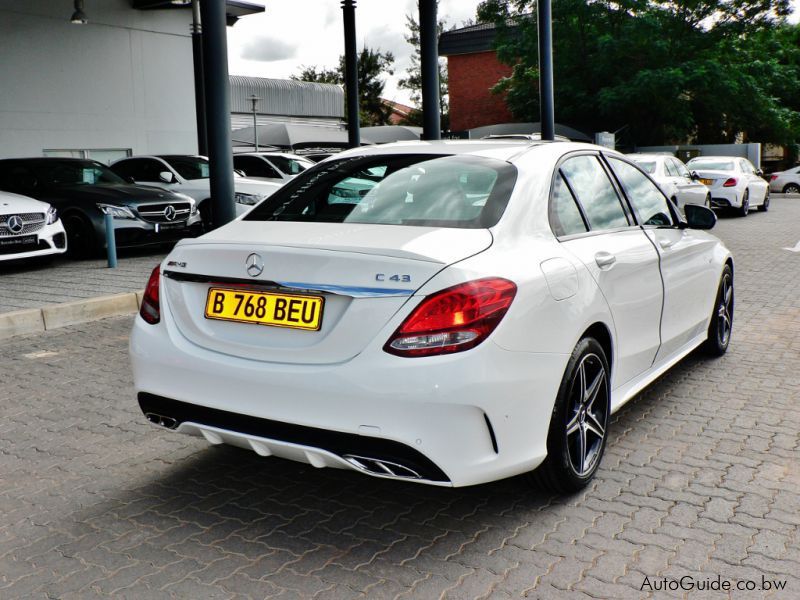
(706, 181)
(264, 308)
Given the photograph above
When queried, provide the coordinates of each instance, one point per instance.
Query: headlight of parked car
(52, 215)
(249, 199)
(118, 212)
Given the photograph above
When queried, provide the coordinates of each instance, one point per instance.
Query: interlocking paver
(700, 478)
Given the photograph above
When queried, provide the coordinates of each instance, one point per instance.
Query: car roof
(507, 150)
(647, 155)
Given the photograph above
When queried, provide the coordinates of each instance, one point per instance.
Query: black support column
(199, 86)
(351, 73)
(429, 70)
(218, 100)
(544, 19)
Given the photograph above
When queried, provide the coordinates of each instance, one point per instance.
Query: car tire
(80, 235)
(791, 188)
(745, 207)
(764, 206)
(721, 326)
(579, 421)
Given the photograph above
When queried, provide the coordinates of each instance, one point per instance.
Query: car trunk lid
(363, 273)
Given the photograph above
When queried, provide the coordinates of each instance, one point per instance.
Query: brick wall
(472, 104)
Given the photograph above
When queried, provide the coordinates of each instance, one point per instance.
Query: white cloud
(313, 28)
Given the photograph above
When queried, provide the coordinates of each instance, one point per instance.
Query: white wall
(124, 80)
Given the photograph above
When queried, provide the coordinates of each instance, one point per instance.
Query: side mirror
(760, 172)
(240, 173)
(694, 176)
(130, 179)
(166, 177)
(699, 217)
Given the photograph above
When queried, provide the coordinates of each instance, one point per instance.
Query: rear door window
(565, 216)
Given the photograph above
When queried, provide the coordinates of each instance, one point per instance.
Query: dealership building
(122, 82)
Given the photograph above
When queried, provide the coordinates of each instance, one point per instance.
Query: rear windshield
(711, 165)
(648, 166)
(288, 165)
(465, 192)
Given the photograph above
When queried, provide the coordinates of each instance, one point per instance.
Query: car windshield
(189, 167)
(420, 190)
(648, 166)
(711, 164)
(74, 172)
(290, 166)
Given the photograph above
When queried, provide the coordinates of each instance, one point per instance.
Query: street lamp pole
(254, 99)
(351, 73)
(544, 19)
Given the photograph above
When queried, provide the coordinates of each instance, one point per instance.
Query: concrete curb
(36, 320)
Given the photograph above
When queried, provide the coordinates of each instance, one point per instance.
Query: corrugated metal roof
(287, 97)
(475, 38)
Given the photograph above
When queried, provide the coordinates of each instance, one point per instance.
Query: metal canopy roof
(233, 8)
(287, 97)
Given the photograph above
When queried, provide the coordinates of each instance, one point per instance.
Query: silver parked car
(673, 178)
(785, 182)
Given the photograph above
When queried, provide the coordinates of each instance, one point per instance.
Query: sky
(296, 33)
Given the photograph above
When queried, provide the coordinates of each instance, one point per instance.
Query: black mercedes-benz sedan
(84, 191)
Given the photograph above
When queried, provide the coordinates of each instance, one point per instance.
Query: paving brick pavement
(701, 478)
(28, 284)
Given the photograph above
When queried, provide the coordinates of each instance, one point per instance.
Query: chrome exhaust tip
(162, 420)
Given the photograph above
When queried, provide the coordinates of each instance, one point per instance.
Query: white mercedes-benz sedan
(478, 311)
(674, 178)
(734, 182)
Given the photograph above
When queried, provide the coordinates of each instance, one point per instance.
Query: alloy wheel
(588, 414)
(725, 311)
(792, 189)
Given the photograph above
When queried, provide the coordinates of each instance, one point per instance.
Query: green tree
(413, 78)
(666, 71)
(373, 65)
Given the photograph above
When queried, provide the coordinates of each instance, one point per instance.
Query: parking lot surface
(701, 479)
(26, 284)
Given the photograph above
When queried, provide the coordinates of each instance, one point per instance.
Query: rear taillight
(773, 177)
(150, 310)
(453, 320)
(729, 182)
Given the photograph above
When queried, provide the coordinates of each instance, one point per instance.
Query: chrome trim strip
(355, 291)
(292, 286)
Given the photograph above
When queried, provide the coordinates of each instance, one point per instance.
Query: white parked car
(189, 175)
(785, 182)
(673, 178)
(277, 167)
(29, 228)
(479, 312)
(734, 182)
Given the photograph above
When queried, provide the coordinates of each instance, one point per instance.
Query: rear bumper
(462, 419)
(725, 198)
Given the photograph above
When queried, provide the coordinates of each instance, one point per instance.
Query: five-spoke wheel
(579, 422)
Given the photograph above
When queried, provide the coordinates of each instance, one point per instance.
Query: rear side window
(459, 191)
(650, 204)
(588, 180)
(565, 216)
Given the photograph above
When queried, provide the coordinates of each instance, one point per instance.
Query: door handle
(604, 259)
(665, 244)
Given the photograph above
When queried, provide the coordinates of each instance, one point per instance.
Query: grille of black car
(31, 223)
(160, 212)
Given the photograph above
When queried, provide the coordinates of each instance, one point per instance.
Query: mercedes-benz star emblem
(254, 265)
(15, 224)
(169, 213)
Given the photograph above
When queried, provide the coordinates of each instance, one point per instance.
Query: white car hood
(14, 203)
